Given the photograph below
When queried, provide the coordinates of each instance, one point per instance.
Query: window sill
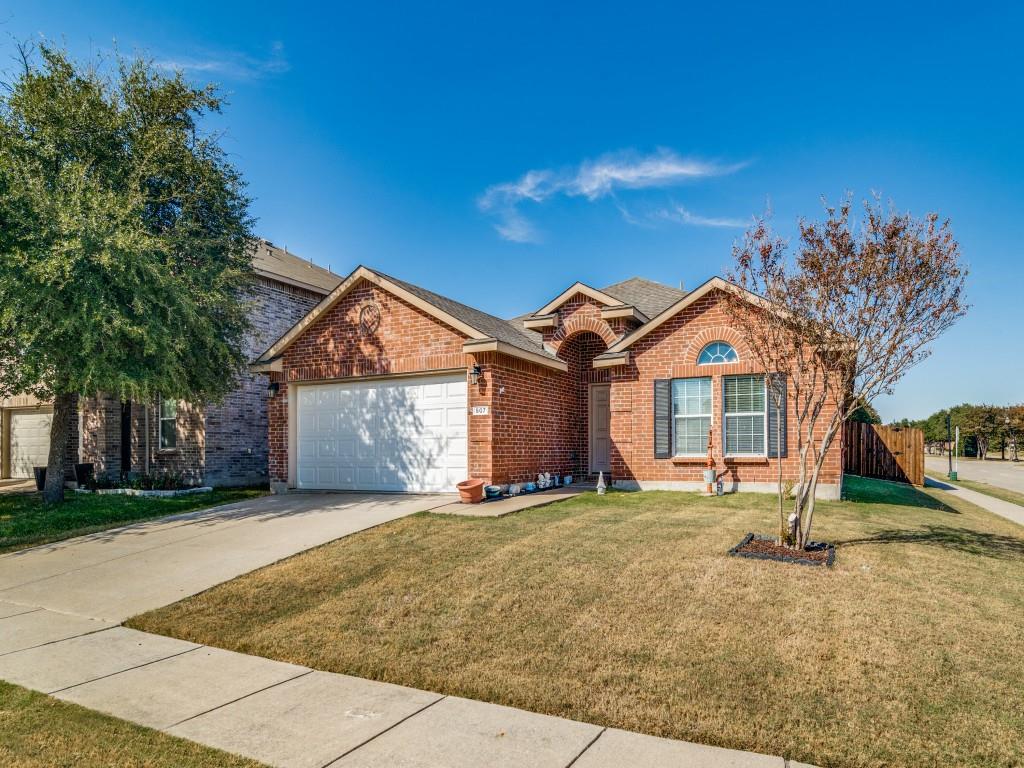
(746, 459)
(166, 451)
(689, 459)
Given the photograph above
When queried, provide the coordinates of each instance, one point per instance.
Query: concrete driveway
(115, 574)
(60, 605)
(1002, 474)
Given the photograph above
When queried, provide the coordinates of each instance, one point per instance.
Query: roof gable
(477, 325)
(715, 283)
(572, 290)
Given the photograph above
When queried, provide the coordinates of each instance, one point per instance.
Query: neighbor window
(717, 352)
(168, 424)
(745, 415)
(691, 415)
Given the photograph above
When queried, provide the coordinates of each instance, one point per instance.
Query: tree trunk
(60, 432)
(778, 460)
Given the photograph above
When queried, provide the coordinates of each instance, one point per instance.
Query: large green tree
(124, 240)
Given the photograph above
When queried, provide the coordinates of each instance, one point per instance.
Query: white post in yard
(601, 487)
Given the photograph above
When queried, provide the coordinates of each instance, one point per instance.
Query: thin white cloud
(231, 65)
(592, 180)
(681, 215)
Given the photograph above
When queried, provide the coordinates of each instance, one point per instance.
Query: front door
(600, 418)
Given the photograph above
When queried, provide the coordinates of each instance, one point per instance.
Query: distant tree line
(983, 429)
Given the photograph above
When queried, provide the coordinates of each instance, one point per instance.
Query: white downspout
(147, 438)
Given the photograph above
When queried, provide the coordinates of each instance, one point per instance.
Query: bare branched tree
(844, 318)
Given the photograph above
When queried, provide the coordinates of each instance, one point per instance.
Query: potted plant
(471, 491)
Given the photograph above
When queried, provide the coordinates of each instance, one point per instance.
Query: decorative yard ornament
(601, 487)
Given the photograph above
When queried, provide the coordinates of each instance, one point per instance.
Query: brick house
(387, 386)
(219, 444)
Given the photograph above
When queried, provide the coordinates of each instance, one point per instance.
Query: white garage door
(383, 435)
(30, 441)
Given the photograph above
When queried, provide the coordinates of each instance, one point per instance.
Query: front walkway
(60, 606)
(1006, 509)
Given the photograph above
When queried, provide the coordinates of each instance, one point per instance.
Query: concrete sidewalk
(59, 634)
(1010, 511)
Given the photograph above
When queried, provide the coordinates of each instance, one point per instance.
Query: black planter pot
(83, 474)
(40, 473)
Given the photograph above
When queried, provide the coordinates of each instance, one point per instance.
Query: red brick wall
(528, 429)
(671, 351)
(407, 340)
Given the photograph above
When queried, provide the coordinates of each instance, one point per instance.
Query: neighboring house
(219, 444)
(386, 386)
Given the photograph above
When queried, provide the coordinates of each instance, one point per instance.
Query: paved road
(1004, 474)
(60, 606)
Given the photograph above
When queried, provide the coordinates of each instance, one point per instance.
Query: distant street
(1004, 474)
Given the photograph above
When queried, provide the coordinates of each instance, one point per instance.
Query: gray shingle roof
(649, 297)
(509, 331)
(277, 262)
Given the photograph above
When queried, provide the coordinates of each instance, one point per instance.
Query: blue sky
(497, 153)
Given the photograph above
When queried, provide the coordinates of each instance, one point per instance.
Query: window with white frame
(691, 415)
(744, 405)
(717, 352)
(168, 424)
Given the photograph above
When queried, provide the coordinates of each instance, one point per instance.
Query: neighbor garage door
(383, 435)
(30, 441)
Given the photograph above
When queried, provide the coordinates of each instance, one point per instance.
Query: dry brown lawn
(626, 611)
(37, 731)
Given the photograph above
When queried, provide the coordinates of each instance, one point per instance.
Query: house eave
(611, 360)
(276, 365)
(474, 346)
(624, 310)
(289, 281)
(536, 322)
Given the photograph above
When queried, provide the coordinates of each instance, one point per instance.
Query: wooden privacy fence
(889, 453)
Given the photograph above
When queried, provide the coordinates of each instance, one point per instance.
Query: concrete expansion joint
(588, 745)
(362, 744)
(234, 701)
(126, 669)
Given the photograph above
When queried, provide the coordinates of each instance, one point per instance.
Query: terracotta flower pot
(471, 491)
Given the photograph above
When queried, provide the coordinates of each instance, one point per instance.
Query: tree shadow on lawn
(864, 490)
(960, 539)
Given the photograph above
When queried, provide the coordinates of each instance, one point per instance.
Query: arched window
(717, 352)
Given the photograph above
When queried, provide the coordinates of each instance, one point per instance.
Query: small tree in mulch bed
(842, 318)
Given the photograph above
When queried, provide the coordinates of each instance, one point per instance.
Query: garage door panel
(396, 435)
(456, 417)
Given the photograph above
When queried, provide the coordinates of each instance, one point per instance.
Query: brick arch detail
(577, 324)
(717, 333)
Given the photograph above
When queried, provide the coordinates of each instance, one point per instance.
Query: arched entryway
(590, 403)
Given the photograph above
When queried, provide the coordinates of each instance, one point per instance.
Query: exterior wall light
(474, 375)
(273, 388)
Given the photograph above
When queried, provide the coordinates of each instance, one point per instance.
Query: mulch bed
(764, 548)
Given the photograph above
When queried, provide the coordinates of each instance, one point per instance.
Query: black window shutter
(662, 418)
(777, 443)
